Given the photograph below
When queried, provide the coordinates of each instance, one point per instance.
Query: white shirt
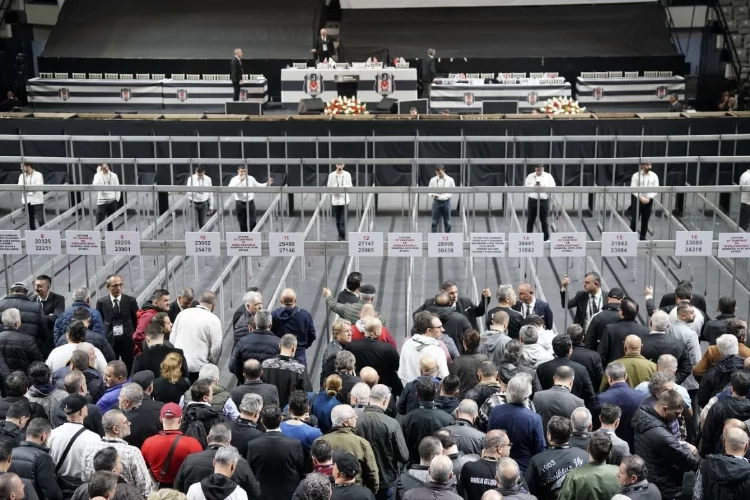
(60, 356)
(106, 180)
(336, 180)
(58, 441)
(195, 492)
(248, 181)
(545, 180)
(445, 182)
(531, 307)
(197, 331)
(413, 349)
(194, 181)
(640, 179)
(696, 325)
(32, 197)
(745, 181)
(590, 312)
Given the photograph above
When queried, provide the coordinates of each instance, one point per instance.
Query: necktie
(528, 310)
(116, 308)
(594, 306)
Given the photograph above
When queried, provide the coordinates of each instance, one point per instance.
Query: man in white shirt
(197, 331)
(106, 202)
(539, 201)
(339, 201)
(244, 203)
(34, 200)
(745, 200)
(425, 342)
(642, 203)
(202, 202)
(441, 202)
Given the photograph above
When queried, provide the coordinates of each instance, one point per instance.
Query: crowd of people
(112, 400)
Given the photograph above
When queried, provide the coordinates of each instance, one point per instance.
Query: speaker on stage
(386, 106)
(314, 106)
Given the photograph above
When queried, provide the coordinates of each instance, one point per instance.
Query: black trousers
(543, 211)
(644, 211)
(36, 214)
(124, 348)
(236, 91)
(201, 210)
(105, 210)
(245, 212)
(339, 212)
(744, 216)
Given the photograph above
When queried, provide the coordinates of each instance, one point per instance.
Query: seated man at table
(675, 106)
(10, 102)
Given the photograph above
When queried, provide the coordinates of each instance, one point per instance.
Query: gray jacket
(469, 440)
(557, 401)
(432, 491)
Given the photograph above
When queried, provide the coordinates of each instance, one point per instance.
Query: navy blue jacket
(629, 400)
(61, 325)
(296, 321)
(260, 345)
(524, 428)
(541, 309)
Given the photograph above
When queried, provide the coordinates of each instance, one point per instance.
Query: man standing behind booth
(106, 201)
(324, 48)
(539, 201)
(119, 315)
(34, 200)
(203, 202)
(427, 73)
(236, 73)
(340, 201)
(441, 202)
(245, 202)
(642, 203)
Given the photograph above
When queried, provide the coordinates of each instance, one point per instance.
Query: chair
(665, 74)
(126, 76)
(601, 74)
(474, 76)
(743, 26)
(519, 75)
(46, 75)
(191, 76)
(615, 74)
(454, 75)
(587, 74)
(631, 74)
(740, 12)
(61, 75)
(552, 75)
(244, 76)
(728, 11)
(158, 76)
(224, 76)
(208, 77)
(651, 74)
(95, 76)
(178, 76)
(111, 76)
(537, 75)
(79, 76)
(488, 76)
(256, 77)
(142, 76)
(732, 26)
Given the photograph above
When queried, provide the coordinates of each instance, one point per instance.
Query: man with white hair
(658, 342)
(468, 439)
(33, 321)
(144, 422)
(506, 299)
(221, 401)
(440, 485)
(508, 479)
(220, 482)
(582, 423)
(18, 348)
(385, 437)
(717, 377)
(381, 356)
(343, 438)
(81, 298)
(246, 428)
(253, 302)
(359, 397)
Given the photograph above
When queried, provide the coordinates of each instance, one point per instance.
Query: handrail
(410, 265)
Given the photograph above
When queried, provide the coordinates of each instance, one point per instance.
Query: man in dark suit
(277, 460)
(236, 73)
(675, 106)
(612, 345)
(697, 300)
(585, 356)
(506, 299)
(528, 305)
(381, 356)
(185, 300)
(53, 304)
(462, 305)
(659, 342)
(324, 48)
(609, 314)
(587, 302)
(558, 401)
(427, 73)
(119, 315)
(563, 348)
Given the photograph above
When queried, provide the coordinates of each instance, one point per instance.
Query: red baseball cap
(171, 410)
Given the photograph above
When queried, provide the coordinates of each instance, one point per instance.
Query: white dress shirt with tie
(446, 182)
(593, 308)
(248, 181)
(336, 180)
(32, 197)
(545, 181)
(205, 181)
(110, 179)
(528, 309)
(640, 179)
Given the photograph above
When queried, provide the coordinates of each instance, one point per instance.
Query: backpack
(194, 428)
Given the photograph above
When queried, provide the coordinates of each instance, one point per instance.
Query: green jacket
(344, 439)
(349, 312)
(594, 481)
(638, 368)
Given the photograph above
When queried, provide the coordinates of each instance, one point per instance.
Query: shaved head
(428, 365)
(288, 297)
(367, 311)
(369, 376)
(735, 440)
(633, 343)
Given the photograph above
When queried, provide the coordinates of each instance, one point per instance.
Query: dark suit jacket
(612, 345)
(128, 310)
(381, 356)
(235, 70)
(655, 344)
(698, 301)
(151, 360)
(541, 308)
(557, 401)
(609, 314)
(582, 386)
(465, 307)
(174, 310)
(53, 307)
(591, 361)
(321, 54)
(515, 321)
(428, 69)
(279, 464)
(580, 301)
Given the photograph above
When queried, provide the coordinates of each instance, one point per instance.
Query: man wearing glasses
(119, 315)
(479, 476)
(425, 342)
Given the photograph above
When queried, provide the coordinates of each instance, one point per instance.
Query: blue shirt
(305, 433)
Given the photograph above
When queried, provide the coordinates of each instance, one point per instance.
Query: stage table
(637, 95)
(210, 95)
(459, 96)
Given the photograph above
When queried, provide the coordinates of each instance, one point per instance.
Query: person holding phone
(441, 202)
(642, 203)
(539, 200)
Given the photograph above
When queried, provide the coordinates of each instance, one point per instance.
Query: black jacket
(582, 386)
(19, 349)
(715, 328)
(151, 359)
(235, 74)
(725, 477)
(415, 476)
(717, 377)
(144, 423)
(655, 344)
(203, 413)
(347, 297)
(381, 356)
(477, 476)
(612, 345)
(423, 422)
(33, 462)
(580, 301)
(408, 400)
(11, 433)
(427, 69)
(515, 320)
(642, 490)
(454, 323)
(37, 410)
(124, 491)
(480, 392)
(466, 367)
(465, 307)
(260, 345)
(287, 375)
(33, 321)
(547, 470)
(591, 361)
(329, 51)
(279, 464)
(668, 299)
(174, 309)
(351, 492)
(387, 440)
(541, 309)
(667, 460)
(167, 392)
(241, 327)
(609, 314)
(244, 431)
(53, 307)
(128, 309)
(94, 381)
(719, 413)
(269, 393)
(198, 466)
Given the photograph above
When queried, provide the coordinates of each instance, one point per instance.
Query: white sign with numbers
(83, 242)
(286, 244)
(620, 244)
(10, 243)
(365, 244)
(693, 243)
(244, 244)
(734, 245)
(43, 243)
(487, 244)
(200, 244)
(445, 245)
(122, 243)
(567, 245)
(404, 244)
(526, 245)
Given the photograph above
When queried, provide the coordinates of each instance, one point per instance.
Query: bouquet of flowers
(345, 106)
(562, 106)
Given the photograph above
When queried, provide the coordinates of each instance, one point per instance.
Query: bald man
(292, 319)
(638, 368)
(725, 475)
(235, 73)
(358, 329)
(428, 368)
(368, 375)
(528, 305)
(381, 356)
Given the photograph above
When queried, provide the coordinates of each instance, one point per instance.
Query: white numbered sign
(10, 243)
(405, 244)
(244, 245)
(735, 245)
(286, 244)
(365, 244)
(526, 245)
(83, 242)
(445, 245)
(620, 244)
(43, 243)
(122, 243)
(487, 244)
(200, 244)
(693, 243)
(567, 245)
